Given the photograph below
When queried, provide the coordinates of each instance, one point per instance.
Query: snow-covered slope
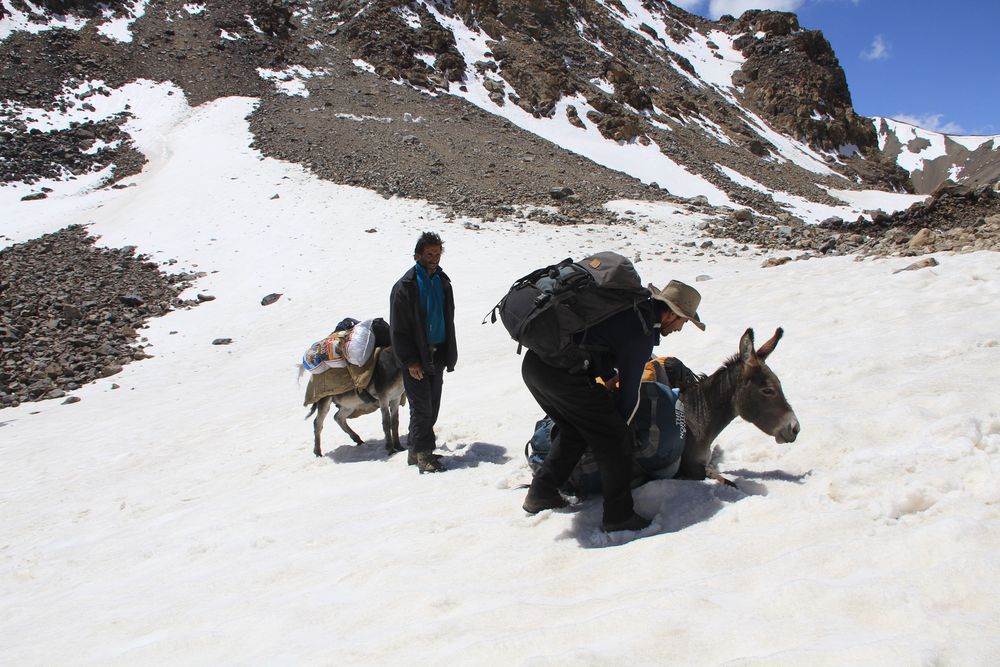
(931, 158)
(183, 519)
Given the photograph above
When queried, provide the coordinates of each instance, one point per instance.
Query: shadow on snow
(459, 456)
(673, 505)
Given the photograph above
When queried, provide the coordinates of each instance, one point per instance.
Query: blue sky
(931, 63)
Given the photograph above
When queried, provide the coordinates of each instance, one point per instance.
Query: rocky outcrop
(399, 50)
(70, 312)
(793, 79)
(28, 156)
(949, 207)
(273, 17)
(954, 219)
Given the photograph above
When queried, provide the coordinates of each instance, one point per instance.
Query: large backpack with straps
(549, 310)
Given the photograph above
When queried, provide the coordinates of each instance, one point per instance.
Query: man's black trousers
(424, 397)
(587, 416)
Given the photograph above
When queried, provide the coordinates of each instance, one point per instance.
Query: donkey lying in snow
(387, 390)
(744, 387)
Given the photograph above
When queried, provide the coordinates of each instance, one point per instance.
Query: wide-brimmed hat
(682, 299)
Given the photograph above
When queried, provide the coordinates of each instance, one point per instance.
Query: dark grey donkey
(744, 387)
(387, 390)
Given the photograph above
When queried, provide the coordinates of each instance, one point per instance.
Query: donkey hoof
(714, 474)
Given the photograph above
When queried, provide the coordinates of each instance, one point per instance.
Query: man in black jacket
(422, 326)
(587, 414)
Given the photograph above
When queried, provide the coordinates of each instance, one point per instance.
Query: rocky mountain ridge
(487, 108)
(456, 101)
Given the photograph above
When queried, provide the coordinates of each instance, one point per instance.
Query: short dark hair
(426, 239)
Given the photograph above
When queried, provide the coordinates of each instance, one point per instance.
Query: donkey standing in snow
(744, 387)
(386, 388)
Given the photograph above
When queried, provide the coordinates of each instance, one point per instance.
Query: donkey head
(759, 398)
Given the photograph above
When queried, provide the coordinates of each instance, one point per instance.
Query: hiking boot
(429, 462)
(536, 501)
(411, 457)
(634, 522)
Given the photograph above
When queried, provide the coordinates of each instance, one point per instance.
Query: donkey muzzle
(788, 431)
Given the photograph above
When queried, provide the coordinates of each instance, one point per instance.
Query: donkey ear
(747, 355)
(768, 347)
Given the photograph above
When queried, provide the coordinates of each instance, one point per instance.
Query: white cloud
(932, 122)
(879, 50)
(717, 8)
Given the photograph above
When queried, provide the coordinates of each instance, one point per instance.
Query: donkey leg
(386, 427)
(341, 417)
(322, 407)
(390, 427)
(394, 420)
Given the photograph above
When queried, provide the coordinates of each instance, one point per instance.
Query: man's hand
(679, 375)
(416, 371)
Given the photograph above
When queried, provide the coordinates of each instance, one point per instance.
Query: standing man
(422, 326)
(587, 414)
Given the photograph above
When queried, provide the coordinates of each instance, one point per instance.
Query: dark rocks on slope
(382, 38)
(28, 156)
(86, 8)
(82, 8)
(792, 77)
(274, 17)
(954, 219)
(70, 311)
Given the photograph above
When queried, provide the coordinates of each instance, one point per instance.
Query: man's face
(671, 322)
(430, 257)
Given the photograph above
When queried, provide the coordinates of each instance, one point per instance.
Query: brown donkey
(386, 388)
(744, 387)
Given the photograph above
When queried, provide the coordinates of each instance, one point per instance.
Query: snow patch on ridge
(292, 80)
(795, 152)
(710, 128)
(871, 200)
(113, 27)
(364, 65)
(410, 17)
(858, 202)
(714, 71)
(581, 29)
(918, 145)
(973, 143)
(120, 28)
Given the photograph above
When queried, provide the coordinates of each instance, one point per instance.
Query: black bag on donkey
(549, 310)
